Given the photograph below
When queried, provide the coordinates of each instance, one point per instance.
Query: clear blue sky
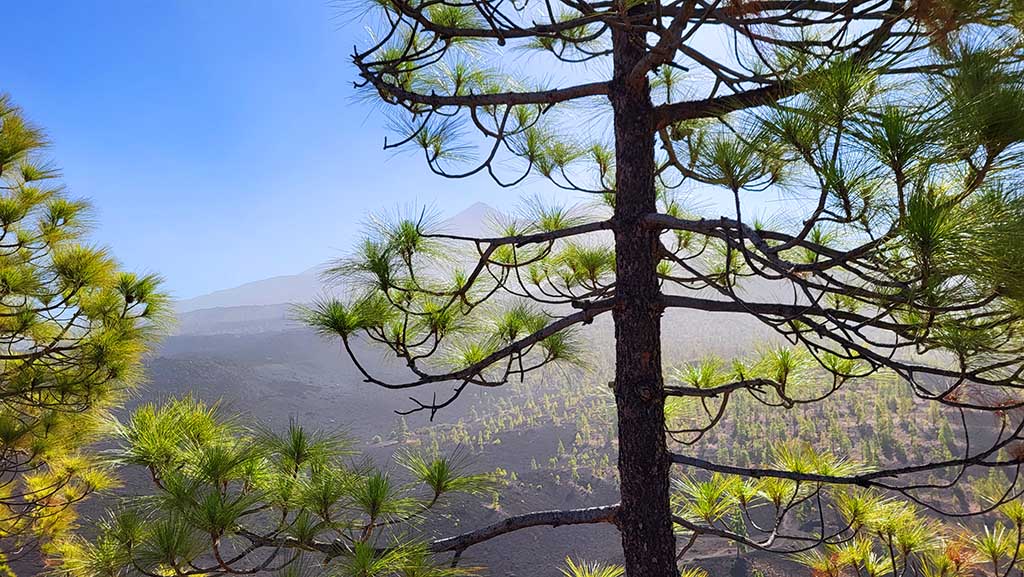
(218, 140)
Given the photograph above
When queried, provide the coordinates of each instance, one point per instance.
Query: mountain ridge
(307, 285)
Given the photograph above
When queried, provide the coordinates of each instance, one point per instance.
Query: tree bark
(645, 517)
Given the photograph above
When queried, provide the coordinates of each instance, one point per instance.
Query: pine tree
(72, 330)
(400, 432)
(896, 120)
(230, 499)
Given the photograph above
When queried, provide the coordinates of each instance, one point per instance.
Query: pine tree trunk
(645, 519)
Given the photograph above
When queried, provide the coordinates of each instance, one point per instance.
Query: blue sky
(219, 140)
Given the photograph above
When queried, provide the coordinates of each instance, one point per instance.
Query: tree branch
(459, 543)
(587, 516)
(392, 93)
(667, 114)
(718, 106)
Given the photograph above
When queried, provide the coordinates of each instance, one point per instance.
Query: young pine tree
(72, 330)
(229, 499)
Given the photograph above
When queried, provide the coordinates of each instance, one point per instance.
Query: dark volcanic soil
(268, 371)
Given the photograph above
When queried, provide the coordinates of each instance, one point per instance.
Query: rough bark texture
(645, 518)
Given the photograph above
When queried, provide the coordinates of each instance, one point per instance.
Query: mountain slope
(307, 285)
(301, 287)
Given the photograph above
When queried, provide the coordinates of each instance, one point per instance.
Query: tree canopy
(891, 129)
(73, 327)
(231, 499)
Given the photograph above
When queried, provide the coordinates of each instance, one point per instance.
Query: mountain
(476, 220)
(301, 287)
(307, 285)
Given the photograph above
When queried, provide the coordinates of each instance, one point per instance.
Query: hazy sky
(219, 140)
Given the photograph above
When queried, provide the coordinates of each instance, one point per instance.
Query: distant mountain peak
(477, 206)
(475, 220)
